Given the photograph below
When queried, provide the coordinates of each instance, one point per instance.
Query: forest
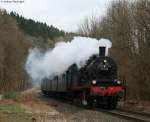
(17, 35)
(37, 29)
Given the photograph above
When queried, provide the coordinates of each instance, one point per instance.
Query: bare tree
(127, 25)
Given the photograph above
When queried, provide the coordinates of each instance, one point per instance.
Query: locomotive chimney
(102, 51)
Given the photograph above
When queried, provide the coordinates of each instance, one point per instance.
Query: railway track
(129, 115)
(121, 113)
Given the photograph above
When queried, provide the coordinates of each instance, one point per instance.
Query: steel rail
(129, 115)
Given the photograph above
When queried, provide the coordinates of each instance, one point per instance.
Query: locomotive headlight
(94, 82)
(105, 61)
(118, 82)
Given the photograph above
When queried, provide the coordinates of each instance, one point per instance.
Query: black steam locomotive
(96, 82)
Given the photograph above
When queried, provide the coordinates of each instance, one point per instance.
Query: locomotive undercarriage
(87, 100)
(109, 102)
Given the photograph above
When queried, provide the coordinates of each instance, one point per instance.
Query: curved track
(129, 115)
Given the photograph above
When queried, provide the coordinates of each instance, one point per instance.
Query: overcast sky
(64, 14)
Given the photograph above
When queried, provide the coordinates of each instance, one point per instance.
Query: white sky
(64, 14)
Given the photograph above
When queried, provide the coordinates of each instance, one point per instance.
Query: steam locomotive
(94, 83)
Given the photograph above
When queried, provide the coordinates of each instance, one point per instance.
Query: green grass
(13, 113)
(12, 108)
(12, 95)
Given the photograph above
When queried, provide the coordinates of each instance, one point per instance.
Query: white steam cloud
(40, 65)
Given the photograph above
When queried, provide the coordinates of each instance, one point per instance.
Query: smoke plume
(40, 64)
